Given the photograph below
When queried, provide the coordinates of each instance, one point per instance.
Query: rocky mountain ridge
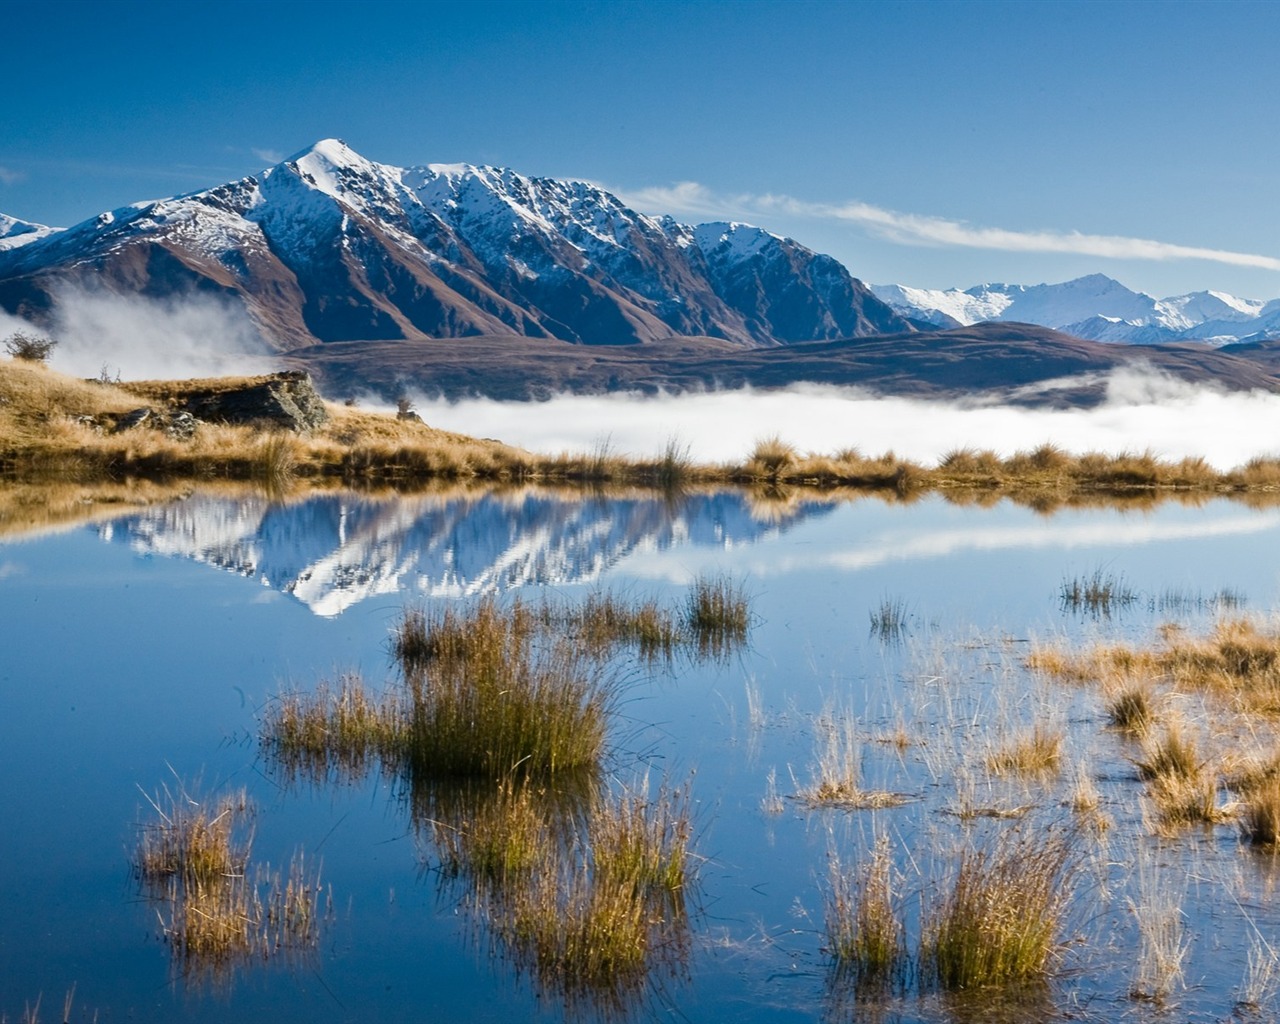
(329, 246)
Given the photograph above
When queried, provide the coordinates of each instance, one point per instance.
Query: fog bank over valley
(1141, 411)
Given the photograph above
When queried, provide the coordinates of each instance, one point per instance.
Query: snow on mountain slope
(1096, 307)
(949, 308)
(330, 246)
(15, 233)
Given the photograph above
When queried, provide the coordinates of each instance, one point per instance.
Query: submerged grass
(717, 615)
(835, 777)
(1260, 815)
(889, 619)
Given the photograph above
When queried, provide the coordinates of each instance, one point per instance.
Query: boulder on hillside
(287, 399)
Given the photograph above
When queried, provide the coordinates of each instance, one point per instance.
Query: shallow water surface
(143, 652)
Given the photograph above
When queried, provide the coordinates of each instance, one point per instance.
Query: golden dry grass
(1238, 662)
(998, 918)
(864, 925)
(192, 860)
(53, 425)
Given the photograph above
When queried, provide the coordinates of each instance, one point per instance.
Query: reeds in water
(1098, 594)
(998, 919)
(486, 699)
(717, 615)
(864, 925)
(214, 913)
(335, 733)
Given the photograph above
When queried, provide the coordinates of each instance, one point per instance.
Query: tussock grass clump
(771, 458)
(194, 860)
(971, 462)
(718, 615)
(997, 920)
(1171, 755)
(327, 732)
(1183, 790)
(1187, 801)
(864, 926)
(1260, 814)
(1131, 707)
(674, 468)
(1085, 798)
(486, 699)
(194, 841)
(1038, 752)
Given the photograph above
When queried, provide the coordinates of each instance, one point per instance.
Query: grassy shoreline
(59, 428)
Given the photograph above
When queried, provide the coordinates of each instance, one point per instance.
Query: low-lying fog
(140, 338)
(1142, 411)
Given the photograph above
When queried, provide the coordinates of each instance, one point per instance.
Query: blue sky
(932, 144)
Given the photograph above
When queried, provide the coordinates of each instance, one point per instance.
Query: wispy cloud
(690, 197)
(271, 156)
(8, 176)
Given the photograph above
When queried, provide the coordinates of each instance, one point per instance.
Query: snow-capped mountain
(330, 246)
(15, 233)
(333, 551)
(1096, 307)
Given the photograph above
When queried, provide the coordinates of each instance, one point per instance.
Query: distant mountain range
(1096, 308)
(328, 246)
(458, 279)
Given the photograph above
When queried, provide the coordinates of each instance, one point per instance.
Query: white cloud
(8, 176)
(271, 156)
(689, 197)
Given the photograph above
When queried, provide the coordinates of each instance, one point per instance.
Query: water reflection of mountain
(332, 551)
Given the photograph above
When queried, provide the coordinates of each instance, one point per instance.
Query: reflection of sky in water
(161, 646)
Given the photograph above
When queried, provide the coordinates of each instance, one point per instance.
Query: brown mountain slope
(1013, 362)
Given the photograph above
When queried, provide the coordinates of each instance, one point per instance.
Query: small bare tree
(31, 347)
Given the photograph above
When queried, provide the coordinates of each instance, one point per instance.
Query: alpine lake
(146, 650)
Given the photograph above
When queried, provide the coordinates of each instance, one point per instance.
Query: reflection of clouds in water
(8, 569)
(1142, 410)
(881, 548)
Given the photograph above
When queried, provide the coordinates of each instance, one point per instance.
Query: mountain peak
(330, 246)
(333, 151)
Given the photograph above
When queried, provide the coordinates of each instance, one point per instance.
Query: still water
(143, 651)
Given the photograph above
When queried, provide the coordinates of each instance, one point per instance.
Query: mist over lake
(1142, 411)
